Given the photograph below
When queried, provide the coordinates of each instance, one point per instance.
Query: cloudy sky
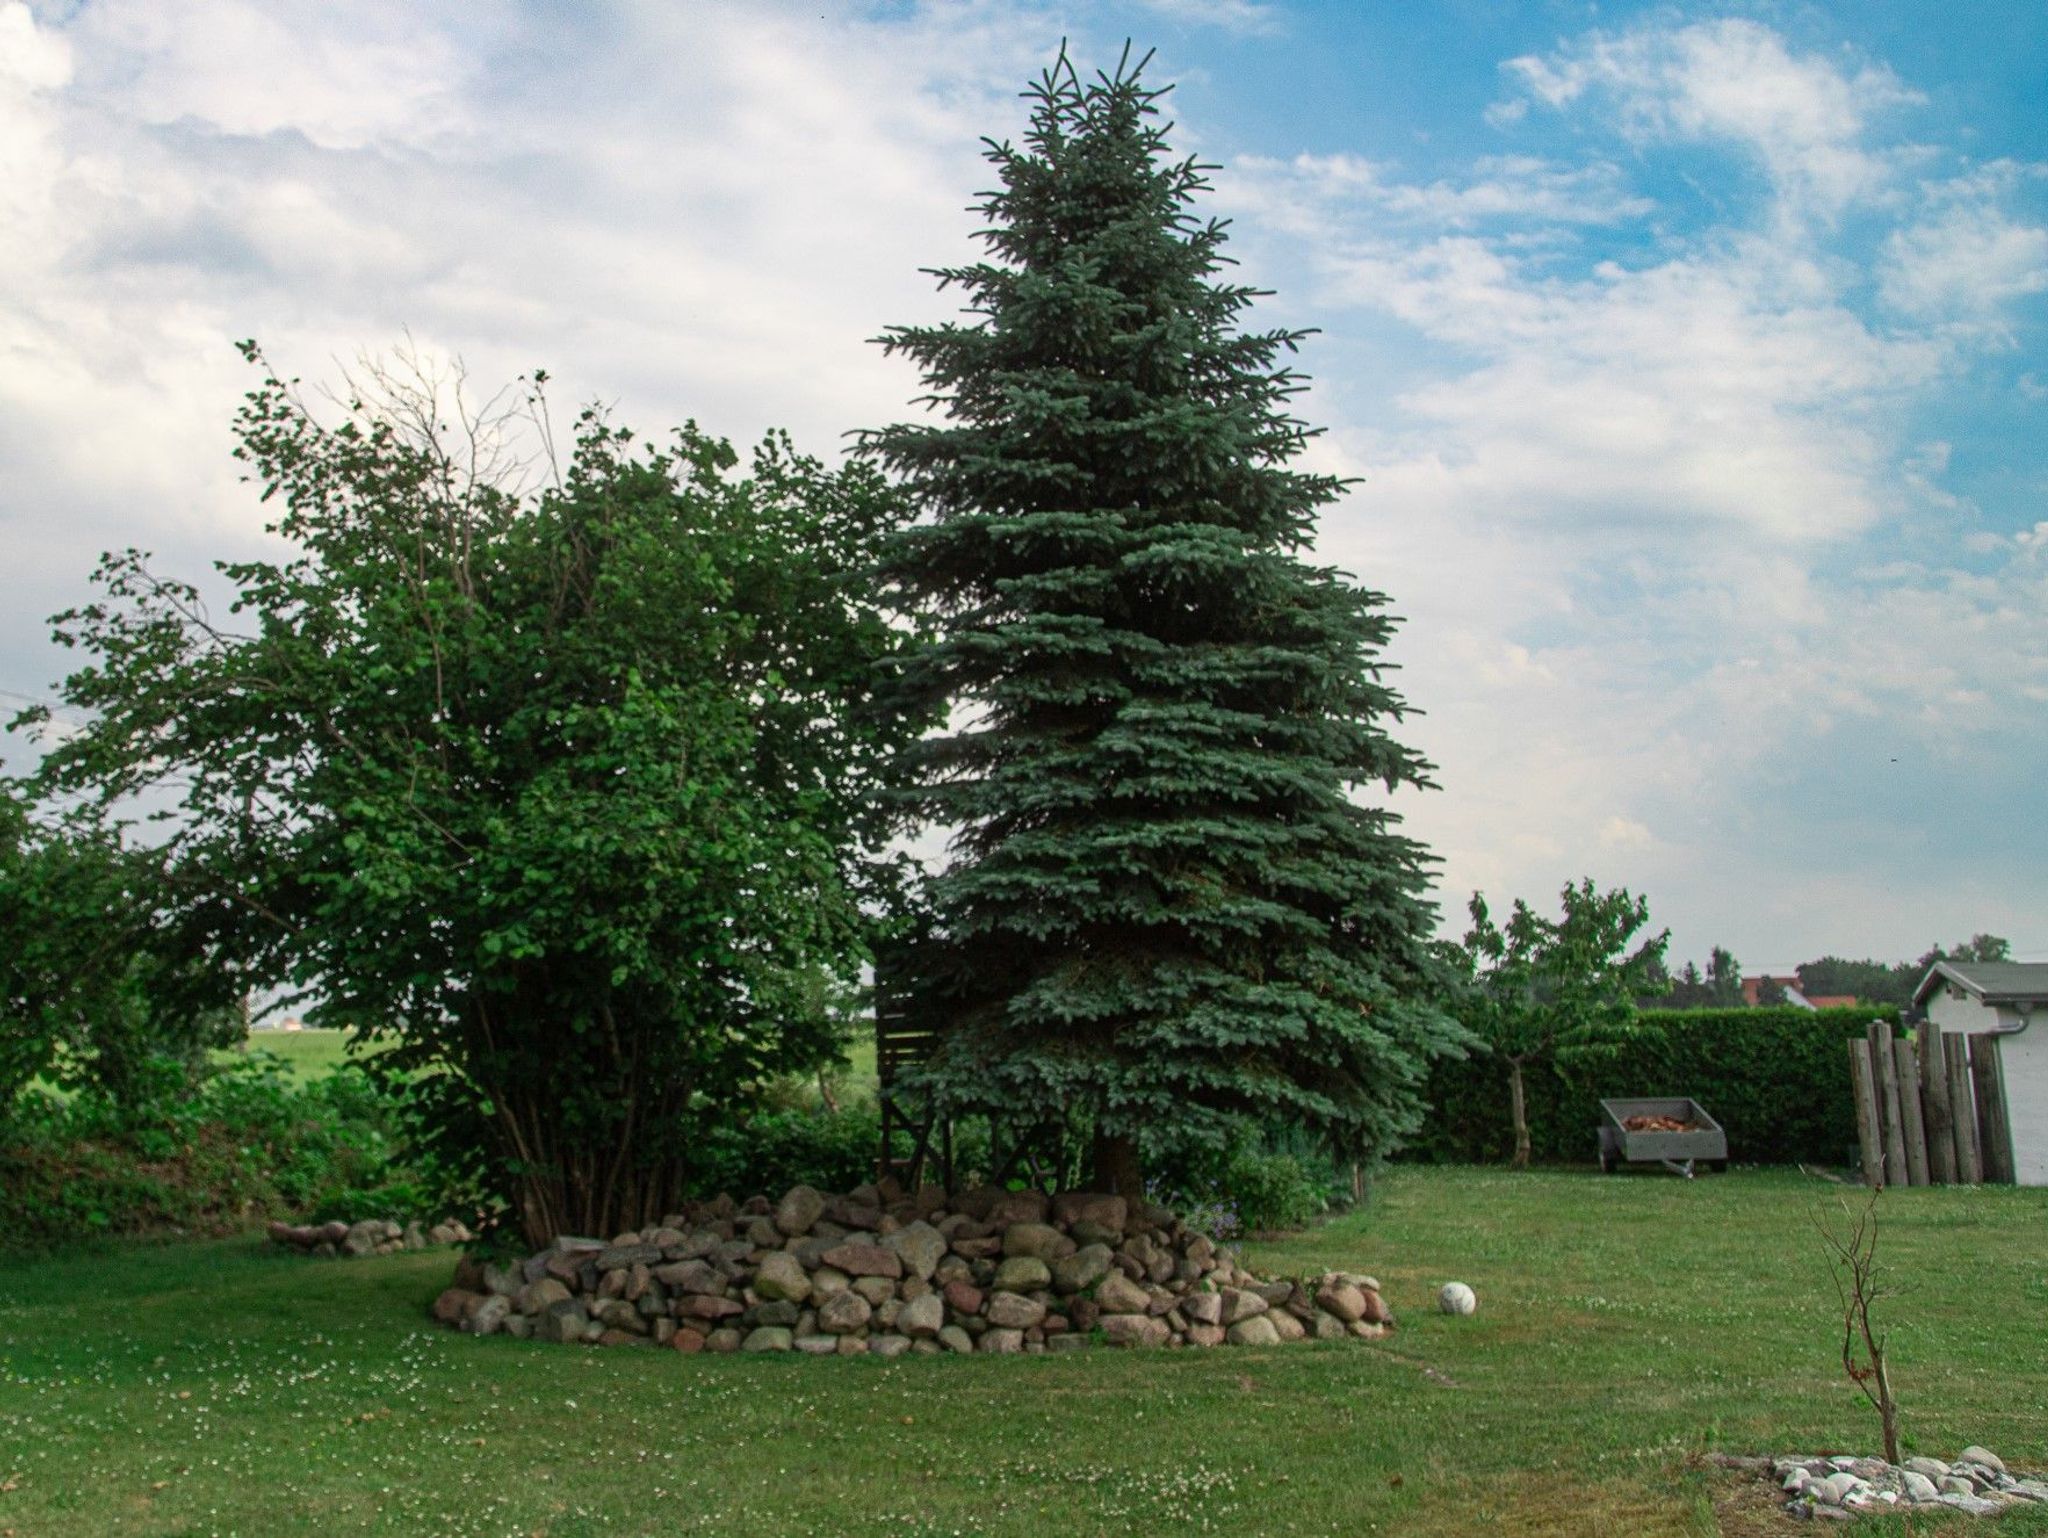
(1693, 360)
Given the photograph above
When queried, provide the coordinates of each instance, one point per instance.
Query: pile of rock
(372, 1236)
(884, 1272)
(1977, 1482)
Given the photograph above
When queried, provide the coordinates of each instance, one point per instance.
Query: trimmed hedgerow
(1776, 1078)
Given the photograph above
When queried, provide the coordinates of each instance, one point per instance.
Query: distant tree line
(1888, 983)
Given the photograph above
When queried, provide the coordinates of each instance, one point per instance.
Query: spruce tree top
(1164, 910)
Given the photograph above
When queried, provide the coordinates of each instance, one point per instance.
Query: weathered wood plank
(1994, 1125)
(1915, 1130)
(1869, 1141)
(1934, 1097)
(1955, 1051)
(1887, 1084)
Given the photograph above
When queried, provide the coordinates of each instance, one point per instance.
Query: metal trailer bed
(1678, 1152)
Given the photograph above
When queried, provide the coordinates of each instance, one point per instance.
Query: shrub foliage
(562, 791)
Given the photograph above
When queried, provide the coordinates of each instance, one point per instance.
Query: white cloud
(1803, 117)
(1500, 188)
(1966, 257)
(1241, 16)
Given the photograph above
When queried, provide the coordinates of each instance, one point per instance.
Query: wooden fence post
(1869, 1141)
(1956, 1054)
(1994, 1128)
(1941, 1136)
(1909, 1108)
(1887, 1081)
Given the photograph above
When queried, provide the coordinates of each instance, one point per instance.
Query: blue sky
(1693, 360)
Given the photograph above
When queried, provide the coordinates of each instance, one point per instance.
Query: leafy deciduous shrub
(245, 1143)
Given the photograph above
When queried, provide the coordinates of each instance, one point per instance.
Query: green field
(307, 1054)
(1627, 1326)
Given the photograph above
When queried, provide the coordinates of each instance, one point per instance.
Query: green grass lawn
(1626, 1326)
(307, 1054)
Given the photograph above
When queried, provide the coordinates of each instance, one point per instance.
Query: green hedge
(1777, 1078)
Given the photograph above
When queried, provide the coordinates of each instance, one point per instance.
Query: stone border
(878, 1271)
(1842, 1488)
(372, 1236)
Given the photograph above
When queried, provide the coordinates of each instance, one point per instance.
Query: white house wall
(2026, 1101)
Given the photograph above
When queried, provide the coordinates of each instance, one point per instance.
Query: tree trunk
(1116, 1166)
(1521, 1113)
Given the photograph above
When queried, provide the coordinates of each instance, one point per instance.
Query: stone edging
(372, 1236)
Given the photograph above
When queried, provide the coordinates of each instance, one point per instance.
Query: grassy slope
(1625, 1323)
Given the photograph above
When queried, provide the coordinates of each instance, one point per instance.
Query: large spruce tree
(1163, 911)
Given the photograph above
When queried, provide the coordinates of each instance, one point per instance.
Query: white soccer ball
(1456, 1298)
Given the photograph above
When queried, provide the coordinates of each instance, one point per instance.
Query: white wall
(2026, 1100)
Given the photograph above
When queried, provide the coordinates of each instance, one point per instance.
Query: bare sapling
(1851, 1249)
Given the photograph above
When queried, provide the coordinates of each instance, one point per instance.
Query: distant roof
(1993, 982)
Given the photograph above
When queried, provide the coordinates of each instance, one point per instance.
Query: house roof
(1990, 982)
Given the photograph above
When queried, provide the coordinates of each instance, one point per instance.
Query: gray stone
(562, 1322)
(780, 1312)
(953, 1338)
(1919, 1486)
(1239, 1304)
(620, 1256)
(488, 1317)
(781, 1274)
(768, 1337)
(1039, 1240)
(818, 1345)
(534, 1297)
(1103, 1210)
(843, 1313)
(1975, 1505)
(1002, 1342)
(724, 1340)
(1203, 1307)
(1253, 1330)
(1022, 1273)
(827, 1280)
(1836, 1487)
(920, 1247)
(1343, 1300)
(1082, 1269)
(922, 1318)
(1135, 1330)
(692, 1276)
(1982, 1456)
(1012, 1311)
(505, 1281)
(798, 1210)
(876, 1289)
(859, 1260)
(1118, 1294)
(889, 1345)
(1329, 1327)
(1932, 1468)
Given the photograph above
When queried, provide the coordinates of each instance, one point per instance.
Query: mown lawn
(1627, 1326)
